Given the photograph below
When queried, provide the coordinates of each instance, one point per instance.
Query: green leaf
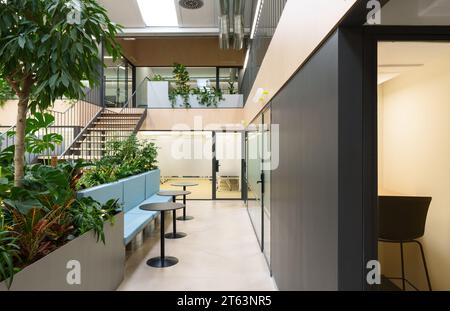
(21, 41)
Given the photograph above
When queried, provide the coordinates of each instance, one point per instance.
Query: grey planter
(101, 265)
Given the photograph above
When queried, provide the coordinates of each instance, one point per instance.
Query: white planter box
(158, 94)
(102, 265)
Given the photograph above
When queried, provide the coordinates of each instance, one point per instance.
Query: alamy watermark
(74, 16)
(374, 14)
(262, 143)
(374, 274)
(73, 277)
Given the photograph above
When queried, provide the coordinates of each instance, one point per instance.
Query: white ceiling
(205, 19)
(124, 12)
(397, 58)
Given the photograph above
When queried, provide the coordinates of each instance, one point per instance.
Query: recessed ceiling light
(157, 13)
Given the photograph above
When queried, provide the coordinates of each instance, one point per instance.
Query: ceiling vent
(191, 4)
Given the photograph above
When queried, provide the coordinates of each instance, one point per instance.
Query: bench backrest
(130, 191)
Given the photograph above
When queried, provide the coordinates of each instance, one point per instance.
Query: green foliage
(181, 77)
(8, 252)
(157, 78)
(231, 88)
(124, 159)
(5, 91)
(208, 97)
(45, 54)
(89, 215)
(41, 46)
(38, 144)
(44, 213)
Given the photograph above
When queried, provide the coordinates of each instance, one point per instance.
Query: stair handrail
(130, 98)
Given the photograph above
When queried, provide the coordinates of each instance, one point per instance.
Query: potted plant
(182, 89)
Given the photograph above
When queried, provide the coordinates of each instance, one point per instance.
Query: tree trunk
(19, 154)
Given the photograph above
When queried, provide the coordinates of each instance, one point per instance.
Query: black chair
(402, 220)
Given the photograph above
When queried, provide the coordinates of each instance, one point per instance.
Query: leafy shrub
(124, 159)
(44, 213)
(8, 252)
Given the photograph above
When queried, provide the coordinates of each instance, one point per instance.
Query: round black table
(184, 185)
(162, 261)
(174, 194)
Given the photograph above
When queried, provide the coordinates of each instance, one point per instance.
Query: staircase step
(77, 157)
(110, 129)
(122, 115)
(106, 135)
(88, 149)
(103, 117)
(115, 123)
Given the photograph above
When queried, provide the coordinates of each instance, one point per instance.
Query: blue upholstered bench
(131, 192)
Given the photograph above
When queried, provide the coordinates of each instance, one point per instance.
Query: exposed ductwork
(224, 24)
(231, 13)
(238, 16)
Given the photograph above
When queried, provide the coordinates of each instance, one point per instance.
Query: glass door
(254, 178)
(227, 165)
(258, 177)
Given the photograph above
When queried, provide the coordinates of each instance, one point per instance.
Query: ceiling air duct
(191, 4)
(224, 24)
(238, 17)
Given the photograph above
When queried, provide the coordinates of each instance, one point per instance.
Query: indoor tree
(47, 48)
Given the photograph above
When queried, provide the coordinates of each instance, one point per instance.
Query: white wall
(182, 154)
(414, 159)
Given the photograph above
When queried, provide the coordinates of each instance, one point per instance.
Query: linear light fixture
(258, 11)
(157, 13)
(247, 56)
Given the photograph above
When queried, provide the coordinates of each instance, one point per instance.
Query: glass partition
(254, 170)
(210, 87)
(118, 79)
(267, 170)
(184, 157)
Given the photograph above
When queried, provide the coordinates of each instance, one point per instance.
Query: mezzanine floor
(220, 253)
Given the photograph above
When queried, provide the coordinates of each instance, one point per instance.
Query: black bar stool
(402, 220)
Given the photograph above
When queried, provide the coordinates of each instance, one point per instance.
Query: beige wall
(414, 159)
(302, 27)
(189, 119)
(79, 115)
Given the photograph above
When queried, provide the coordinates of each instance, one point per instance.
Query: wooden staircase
(107, 126)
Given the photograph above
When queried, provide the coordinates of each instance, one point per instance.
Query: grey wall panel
(305, 185)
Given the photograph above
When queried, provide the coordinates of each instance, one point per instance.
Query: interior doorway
(211, 160)
(413, 160)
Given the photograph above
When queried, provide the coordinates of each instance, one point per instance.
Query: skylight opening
(157, 13)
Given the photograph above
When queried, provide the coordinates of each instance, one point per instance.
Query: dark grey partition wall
(305, 186)
(316, 221)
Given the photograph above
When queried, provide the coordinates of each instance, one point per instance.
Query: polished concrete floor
(220, 253)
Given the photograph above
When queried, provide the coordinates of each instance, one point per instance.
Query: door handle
(217, 165)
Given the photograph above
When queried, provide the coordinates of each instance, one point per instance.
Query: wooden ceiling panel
(190, 51)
